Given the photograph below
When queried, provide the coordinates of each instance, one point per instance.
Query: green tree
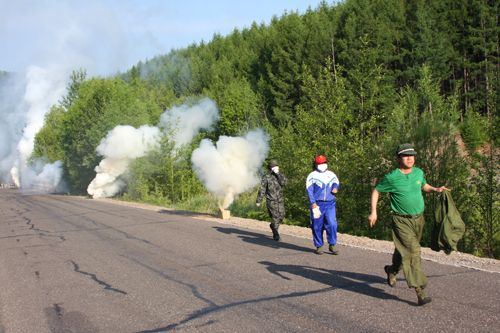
(369, 47)
(76, 80)
(164, 176)
(48, 141)
(101, 105)
(283, 67)
(239, 108)
(485, 232)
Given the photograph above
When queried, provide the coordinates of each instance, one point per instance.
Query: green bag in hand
(448, 226)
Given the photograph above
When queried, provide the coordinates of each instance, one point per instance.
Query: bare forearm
(429, 188)
(372, 219)
(374, 200)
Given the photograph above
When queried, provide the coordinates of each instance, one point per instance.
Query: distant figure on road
(322, 185)
(271, 186)
(405, 185)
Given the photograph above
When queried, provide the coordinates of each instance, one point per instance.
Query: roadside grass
(203, 203)
(243, 206)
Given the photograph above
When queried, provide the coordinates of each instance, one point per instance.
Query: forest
(349, 80)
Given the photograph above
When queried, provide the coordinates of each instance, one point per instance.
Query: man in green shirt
(405, 186)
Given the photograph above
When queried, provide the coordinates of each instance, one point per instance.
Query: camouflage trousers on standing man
(276, 210)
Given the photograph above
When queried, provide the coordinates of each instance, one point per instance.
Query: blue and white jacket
(319, 186)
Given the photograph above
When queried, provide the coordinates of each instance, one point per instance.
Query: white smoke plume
(230, 167)
(63, 36)
(41, 177)
(122, 145)
(125, 143)
(11, 125)
(25, 101)
(184, 122)
(65, 40)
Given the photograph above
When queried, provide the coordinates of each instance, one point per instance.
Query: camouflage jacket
(271, 186)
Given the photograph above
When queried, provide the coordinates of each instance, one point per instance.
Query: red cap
(320, 159)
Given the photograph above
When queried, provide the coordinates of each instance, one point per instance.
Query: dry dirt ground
(454, 259)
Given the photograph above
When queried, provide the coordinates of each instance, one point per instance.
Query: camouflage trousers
(276, 210)
(406, 234)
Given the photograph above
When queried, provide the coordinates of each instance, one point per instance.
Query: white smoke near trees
(65, 36)
(11, 125)
(230, 167)
(123, 144)
(25, 101)
(66, 39)
(42, 177)
(184, 122)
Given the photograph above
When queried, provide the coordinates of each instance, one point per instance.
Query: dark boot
(391, 277)
(422, 297)
(276, 234)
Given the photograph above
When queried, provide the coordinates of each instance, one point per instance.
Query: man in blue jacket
(322, 185)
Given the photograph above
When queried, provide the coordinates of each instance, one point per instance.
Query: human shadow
(212, 307)
(263, 240)
(356, 282)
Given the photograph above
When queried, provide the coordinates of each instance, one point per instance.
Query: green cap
(405, 149)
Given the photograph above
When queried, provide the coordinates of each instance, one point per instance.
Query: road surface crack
(106, 285)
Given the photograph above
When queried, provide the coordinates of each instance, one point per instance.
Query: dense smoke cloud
(184, 122)
(230, 167)
(25, 101)
(42, 177)
(11, 124)
(67, 39)
(123, 144)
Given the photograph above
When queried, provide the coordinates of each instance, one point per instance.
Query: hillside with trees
(349, 80)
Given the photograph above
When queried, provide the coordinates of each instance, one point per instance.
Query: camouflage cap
(272, 163)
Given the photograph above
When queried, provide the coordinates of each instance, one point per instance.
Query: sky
(43, 41)
(109, 36)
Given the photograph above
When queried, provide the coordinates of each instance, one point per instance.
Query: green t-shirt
(405, 191)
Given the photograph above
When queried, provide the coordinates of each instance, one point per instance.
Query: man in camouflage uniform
(271, 186)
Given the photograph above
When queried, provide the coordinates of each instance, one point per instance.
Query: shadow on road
(263, 240)
(352, 281)
(210, 309)
(332, 279)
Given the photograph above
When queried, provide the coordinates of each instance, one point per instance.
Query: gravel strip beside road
(454, 259)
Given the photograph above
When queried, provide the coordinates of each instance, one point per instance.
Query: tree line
(349, 80)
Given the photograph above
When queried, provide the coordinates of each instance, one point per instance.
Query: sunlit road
(71, 264)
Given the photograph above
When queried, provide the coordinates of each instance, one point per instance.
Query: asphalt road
(70, 264)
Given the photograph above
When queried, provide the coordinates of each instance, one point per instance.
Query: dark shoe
(422, 297)
(333, 249)
(391, 277)
(318, 251)
(276, 234)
